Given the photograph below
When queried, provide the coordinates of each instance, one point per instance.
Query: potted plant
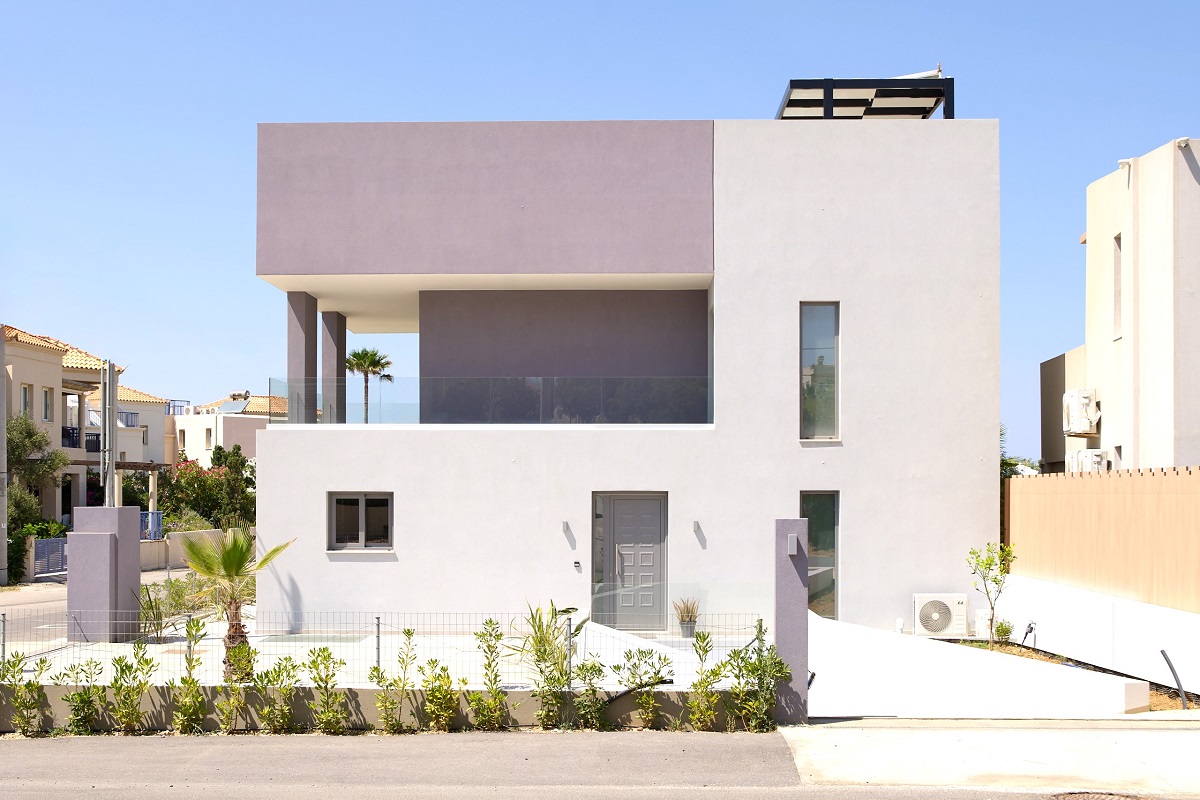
(687, 610)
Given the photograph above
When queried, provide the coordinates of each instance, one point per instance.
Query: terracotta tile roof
(76, 358)
(127, 394)
(259, 404)
(12, 334)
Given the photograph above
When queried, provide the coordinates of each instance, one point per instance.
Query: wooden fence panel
(1133, 534)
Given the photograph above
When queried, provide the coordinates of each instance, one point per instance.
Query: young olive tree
(990, 567)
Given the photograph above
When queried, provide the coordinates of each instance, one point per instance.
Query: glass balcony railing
(528, 400)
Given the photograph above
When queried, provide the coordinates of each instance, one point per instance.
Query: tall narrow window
(821, 509)
(818, 370)
(26, 399)
(1117, 286)
(208, 438)
(47, 404)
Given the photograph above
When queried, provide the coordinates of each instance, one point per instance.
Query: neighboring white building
(143, 426)
(641, 343)
(229, 422)
(1140, 363)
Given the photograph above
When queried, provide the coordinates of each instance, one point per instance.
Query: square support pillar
(302, 357)
(104, 575)
(791, 618)
(333, 366)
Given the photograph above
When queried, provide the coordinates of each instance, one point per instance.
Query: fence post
(189, 641)
(570, 647)
(3, 635)
(377, 663)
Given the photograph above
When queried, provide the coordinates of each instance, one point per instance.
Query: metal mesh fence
(361, 640)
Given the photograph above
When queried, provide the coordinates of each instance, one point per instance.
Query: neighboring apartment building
(51, 382)
(235, 420)
(641, 343)
(1129, 397)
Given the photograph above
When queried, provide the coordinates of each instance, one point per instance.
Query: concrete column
(119, 495)
(153, 490)
(80, 493)
(302, 357)
(333, 366)
(791, 617)
(104, 575)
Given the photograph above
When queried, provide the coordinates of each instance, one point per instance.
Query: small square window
(360, 520)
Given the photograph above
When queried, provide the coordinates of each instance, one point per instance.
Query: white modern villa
(641, 343)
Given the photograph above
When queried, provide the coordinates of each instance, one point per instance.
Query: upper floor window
(818, 370)
(208, 438)
(1117, 286)
(26, 399)
(47, 404)
(360, 520)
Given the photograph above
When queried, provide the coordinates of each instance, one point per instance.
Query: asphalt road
(529, 766)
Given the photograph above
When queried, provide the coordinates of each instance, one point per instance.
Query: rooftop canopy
(908, 97)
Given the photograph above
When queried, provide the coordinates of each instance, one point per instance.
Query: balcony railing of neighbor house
(91, 442)
(152, 525)
(518, 400)
(128, 419)
(70, 436)
(175, 407)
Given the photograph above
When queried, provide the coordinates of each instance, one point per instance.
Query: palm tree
(368, 361)
(227, 562)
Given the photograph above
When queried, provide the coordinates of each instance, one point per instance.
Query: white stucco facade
(1140, 354)
(898, 223)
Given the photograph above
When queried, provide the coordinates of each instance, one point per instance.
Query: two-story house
(641, 343)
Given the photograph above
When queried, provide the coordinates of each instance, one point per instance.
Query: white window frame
(47, 404)
(208, 438)
(361, 497)
(27, 399)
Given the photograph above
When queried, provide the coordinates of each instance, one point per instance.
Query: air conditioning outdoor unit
(1081, 413)
(940, 615)
(1093, 460)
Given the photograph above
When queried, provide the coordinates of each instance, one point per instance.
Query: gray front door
(638, 568)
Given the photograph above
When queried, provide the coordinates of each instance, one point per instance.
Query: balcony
(70, 436)
(127, 419)
(91, 442)
(514, 400)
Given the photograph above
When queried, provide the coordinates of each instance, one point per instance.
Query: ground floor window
(360, 520)
(821, 511)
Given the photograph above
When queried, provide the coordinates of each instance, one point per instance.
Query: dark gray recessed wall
(573, 334)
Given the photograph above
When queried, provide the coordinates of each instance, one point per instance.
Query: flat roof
(867, 98)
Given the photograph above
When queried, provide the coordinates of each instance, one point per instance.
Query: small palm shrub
(547, 646)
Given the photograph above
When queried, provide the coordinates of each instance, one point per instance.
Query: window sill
(820, 442)
(358, 551)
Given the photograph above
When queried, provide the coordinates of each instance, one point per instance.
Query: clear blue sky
(127, 182)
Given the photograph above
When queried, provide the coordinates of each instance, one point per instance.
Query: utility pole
(3, 460)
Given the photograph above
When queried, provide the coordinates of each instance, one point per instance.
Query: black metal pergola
(862, 98)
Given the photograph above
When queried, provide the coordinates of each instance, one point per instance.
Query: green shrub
(276, 687)
(18, 549)
(184, 519)
(589, 705)
(1004, 630)
(389, 700)
(756, 671)
(490, 710)
(642, 672)
(26, 696)
(233, 706)
(703, 696)
(86, 701)
(130, 683)
(548, 645)
(329, 709)
(441, 699)
(190, 708)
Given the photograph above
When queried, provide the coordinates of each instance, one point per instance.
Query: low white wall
(1107, 631)
(866, 672)
(159, 554)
